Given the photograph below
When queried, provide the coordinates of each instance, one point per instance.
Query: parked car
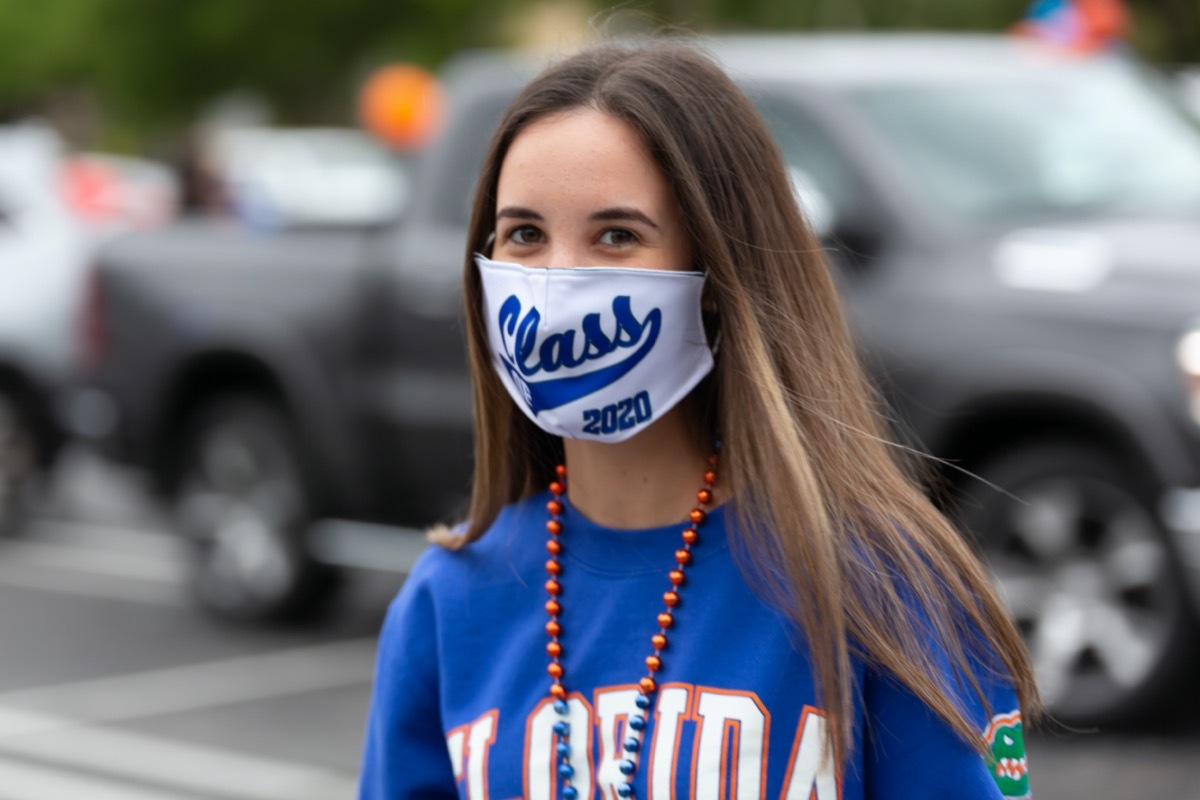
(307, 177)
(43, 254)
(1188, 81)
(1017, 241)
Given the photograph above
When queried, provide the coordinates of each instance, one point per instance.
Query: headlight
(1188, 355)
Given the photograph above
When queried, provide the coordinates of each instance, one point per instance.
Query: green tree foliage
(164, 57)
(42, 45)
(153, 64)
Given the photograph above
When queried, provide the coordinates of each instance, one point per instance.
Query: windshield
(1078, 139)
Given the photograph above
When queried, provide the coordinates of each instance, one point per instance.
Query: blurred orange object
(402, 105)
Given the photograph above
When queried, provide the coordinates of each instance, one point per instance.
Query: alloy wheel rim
(1087, 577)
(241, 503)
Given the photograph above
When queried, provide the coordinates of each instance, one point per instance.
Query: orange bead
(714, 459)
(659, 641)
(697, 516)
(553, 586)
(710, 477)
(554, 546)
(554, 649)
(691, 536)
(653, 663)
(556, 488)
(553, 608)
(558, 692)
(560, 471)
(676, 577)
(553, 567)
(647, 685)
(665, 620)
(554, 507)
(683, 556)
(554, 526)
(671, 598)
(555, 670)
(553, 628)
(704, 496)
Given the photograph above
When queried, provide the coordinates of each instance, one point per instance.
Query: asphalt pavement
(113, 687)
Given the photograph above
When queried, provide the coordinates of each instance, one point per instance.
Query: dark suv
(1017, 240)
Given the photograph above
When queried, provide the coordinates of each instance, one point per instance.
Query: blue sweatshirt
(461, 708)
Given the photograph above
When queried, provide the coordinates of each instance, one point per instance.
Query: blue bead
(563, 749)
(562, 728)
(561, 707)
(637, 722)
(632, 743)
(643, 701)
(566, 770)
(570, 793)
(627, 767)
(625, 790)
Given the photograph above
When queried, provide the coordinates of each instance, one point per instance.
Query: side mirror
(852, 240)
(814, 204)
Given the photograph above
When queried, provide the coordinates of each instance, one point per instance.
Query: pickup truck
(1017, 239)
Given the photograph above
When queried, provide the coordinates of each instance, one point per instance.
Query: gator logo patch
(1005, 739)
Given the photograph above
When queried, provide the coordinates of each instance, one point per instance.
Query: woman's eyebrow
(622, 213)
(519, 212)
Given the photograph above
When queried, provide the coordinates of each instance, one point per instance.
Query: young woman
(694, 565)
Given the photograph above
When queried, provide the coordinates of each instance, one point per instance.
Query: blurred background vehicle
(308, 177)
(1189, 85)
(1016, 236)
(43, 254)
(110, 194)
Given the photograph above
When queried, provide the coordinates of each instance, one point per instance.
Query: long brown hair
(838, 531)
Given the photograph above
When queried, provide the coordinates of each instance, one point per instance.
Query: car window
(1095, 137)
(472, 134)
(809, 152)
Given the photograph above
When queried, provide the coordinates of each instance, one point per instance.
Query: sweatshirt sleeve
(909, 751)
(405, 755)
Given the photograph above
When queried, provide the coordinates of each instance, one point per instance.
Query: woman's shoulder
(506, 545)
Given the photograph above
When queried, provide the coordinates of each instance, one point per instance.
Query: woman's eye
(618, 237)
(525, 234)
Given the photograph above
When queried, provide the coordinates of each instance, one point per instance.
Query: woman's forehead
(582, 156)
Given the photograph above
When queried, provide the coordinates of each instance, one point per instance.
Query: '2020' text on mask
(594, 352)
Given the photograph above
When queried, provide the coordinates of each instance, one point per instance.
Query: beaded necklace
(647, 686)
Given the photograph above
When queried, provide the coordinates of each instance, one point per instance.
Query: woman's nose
(564, 254)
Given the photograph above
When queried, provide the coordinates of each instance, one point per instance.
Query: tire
(21, 457)
(1090, 577)
(244, 502)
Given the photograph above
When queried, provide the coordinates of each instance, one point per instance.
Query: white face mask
(594, 352)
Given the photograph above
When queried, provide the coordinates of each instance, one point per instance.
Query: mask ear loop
(711, 312)
(487, 244)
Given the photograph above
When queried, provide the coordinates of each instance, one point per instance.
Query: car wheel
(19, 460)
(1090, 577)
(245, 505)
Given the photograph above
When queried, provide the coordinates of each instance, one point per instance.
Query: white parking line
(28, 576)
(20, 781)
(95, 561)
(190, 687)
(111, 537)
(208, 771)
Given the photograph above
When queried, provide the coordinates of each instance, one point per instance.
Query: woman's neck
(644, 482)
